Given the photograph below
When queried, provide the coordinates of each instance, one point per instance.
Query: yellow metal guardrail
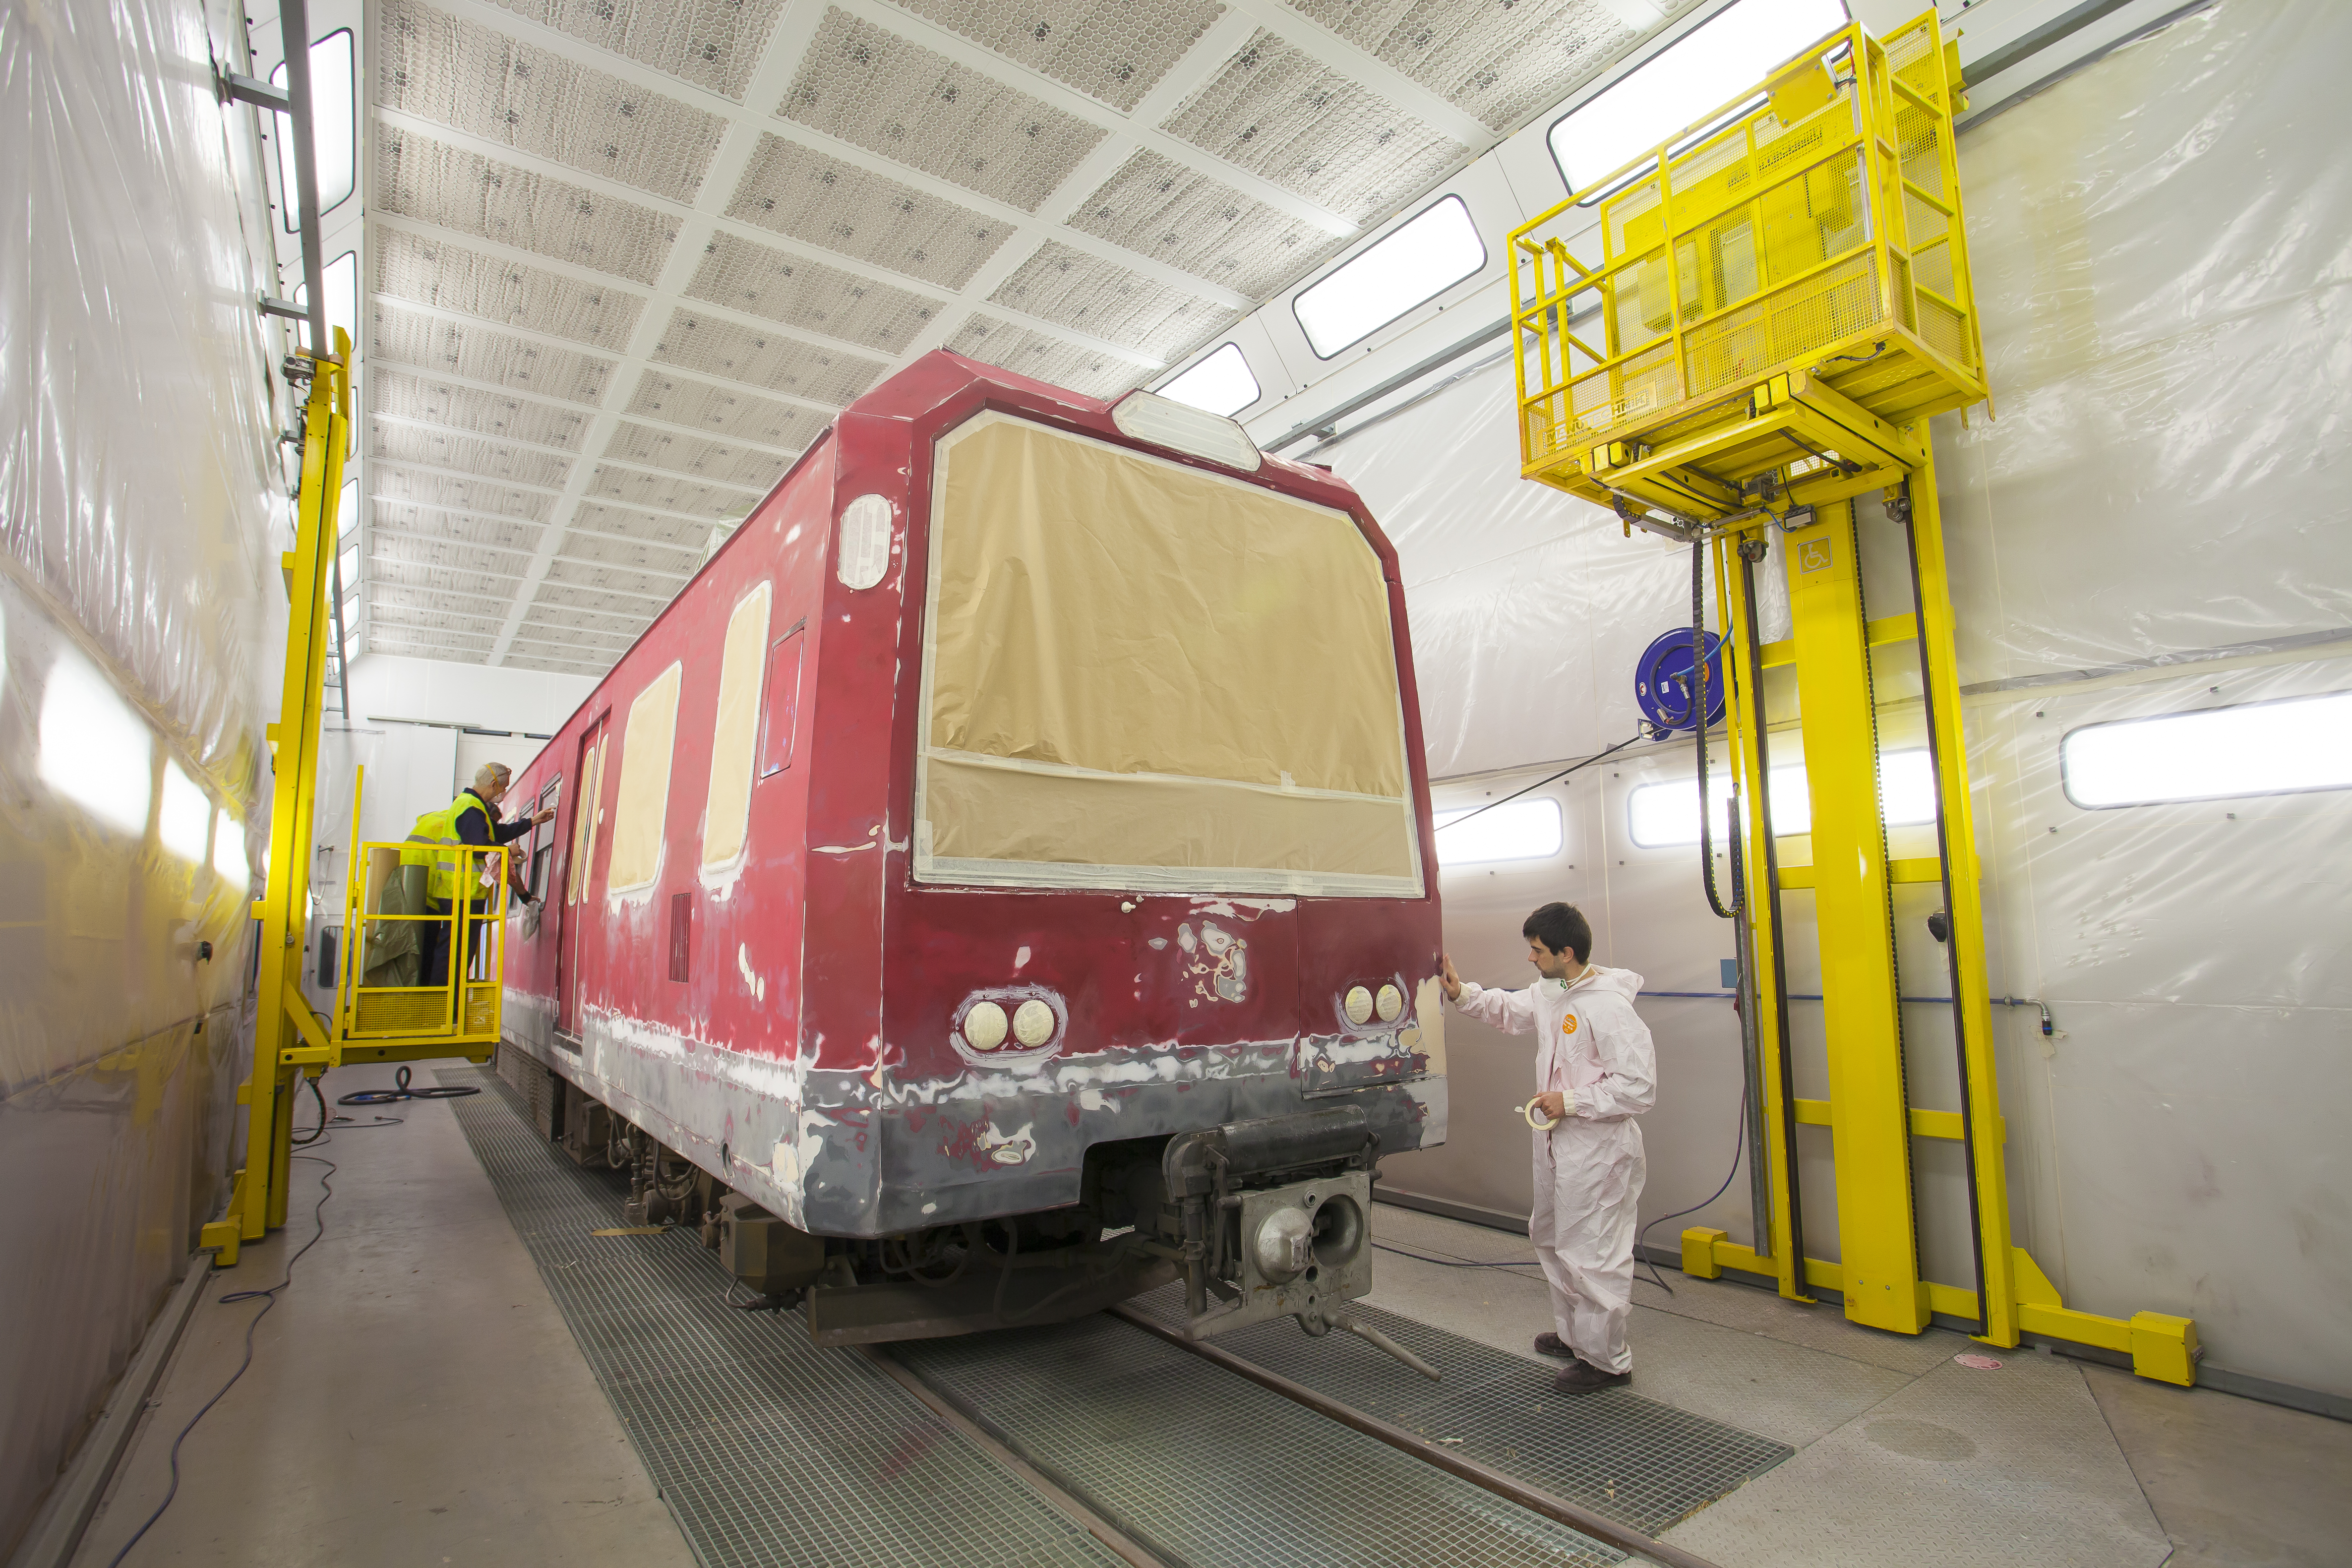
(419, 971)
(1811, 236)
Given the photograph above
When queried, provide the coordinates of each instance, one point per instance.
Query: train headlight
(1358, 1005)
(984, 1025)
(1390, 1002)
(1032, 1023)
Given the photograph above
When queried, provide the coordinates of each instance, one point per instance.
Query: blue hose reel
(1662, 681)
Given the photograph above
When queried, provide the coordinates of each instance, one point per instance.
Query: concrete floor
(416, 1398)
(1903, 1455)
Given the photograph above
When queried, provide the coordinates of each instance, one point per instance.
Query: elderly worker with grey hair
(471, 818)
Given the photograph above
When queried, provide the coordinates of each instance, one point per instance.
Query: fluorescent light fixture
(95, 751)
(1661, 815)
(186, 816)
(1221, 383)
(334, 133)
(229, 850)
(1408, 266)
(1180, 428)
(341, 278)
(2286, 746)
(1525, 829)
(1697, 73)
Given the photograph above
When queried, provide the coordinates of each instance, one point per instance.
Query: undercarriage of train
(1259, 1219)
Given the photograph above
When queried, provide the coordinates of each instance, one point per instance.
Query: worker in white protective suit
(1595, 1072)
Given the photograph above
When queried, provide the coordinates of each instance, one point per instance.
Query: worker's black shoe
(1583, 1377)
(1551, 1344)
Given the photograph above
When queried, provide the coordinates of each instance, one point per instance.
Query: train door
(579, 894)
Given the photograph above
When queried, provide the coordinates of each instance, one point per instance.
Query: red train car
(1002, 880)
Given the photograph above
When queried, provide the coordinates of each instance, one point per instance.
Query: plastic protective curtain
(141, 503)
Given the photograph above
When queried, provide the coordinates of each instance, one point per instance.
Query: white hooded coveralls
(1592, 1046)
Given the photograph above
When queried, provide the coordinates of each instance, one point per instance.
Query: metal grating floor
(768, 1450)
(1629, 1459)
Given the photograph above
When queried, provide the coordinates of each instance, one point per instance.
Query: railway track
(1108, 1523)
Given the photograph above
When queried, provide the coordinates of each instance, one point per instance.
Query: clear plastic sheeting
(141, 507)
(2147, 528)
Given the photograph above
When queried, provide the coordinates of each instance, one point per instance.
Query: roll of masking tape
(1536, 1118)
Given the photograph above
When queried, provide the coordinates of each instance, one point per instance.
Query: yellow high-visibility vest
(437, 829)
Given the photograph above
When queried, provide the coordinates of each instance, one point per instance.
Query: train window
(736, 730)
(542, 838)
(783, 703)
(641, 806)
(1086, 726)
(583, 822)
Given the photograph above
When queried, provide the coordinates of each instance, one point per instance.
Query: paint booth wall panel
(2158, 245)
(141, 507)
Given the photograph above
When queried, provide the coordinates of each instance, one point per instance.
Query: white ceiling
(625, 260)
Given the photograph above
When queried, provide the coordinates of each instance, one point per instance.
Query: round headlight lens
(1391, 1002)
(1032, 1023)
(1359, 1004)
(984, 1027)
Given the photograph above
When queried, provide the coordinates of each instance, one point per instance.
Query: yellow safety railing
(419, 969)
(1816, 226)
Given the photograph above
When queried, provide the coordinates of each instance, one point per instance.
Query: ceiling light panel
(875, 89)
(1157, 206)
(624, 625)
(1112, 50)
(420, 642)
(761, 280)
(484, 354)
(1282, 115)
(450, 493)
(632, 488)
(430, 181)
(621, 522)
(557, 666)
(1056, 361)
(389, 618)
(779, 363)
(452, 277)
(714, 44)
(432, 449)
(400, 396)
(397, 519)
(381, 595)
(613, 580)
(697, 455)
(558, 595)
(564, 636)
(481, 561)
(725, 410)
(1105, 300)
(440, 579)
(800, 192)
(500, 88)
(1501, 63)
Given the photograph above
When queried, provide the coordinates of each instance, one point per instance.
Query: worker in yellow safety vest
(471, 818)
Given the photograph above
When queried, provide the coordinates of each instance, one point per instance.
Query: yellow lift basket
(385, 995)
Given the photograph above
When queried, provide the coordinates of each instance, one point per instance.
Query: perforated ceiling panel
(876, 90)
(482, 83)
(782, 287)
(624, 260)
(1278, 112)
(802, 192)
(697, 341)
(1158, 207)
(1056, 361)
(1499, 62)
(1107, 300)
(1113, 50)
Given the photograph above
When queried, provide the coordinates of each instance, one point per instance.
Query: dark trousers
(435, 947)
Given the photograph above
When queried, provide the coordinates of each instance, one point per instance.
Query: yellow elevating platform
(377, 1018)
(1766, 311)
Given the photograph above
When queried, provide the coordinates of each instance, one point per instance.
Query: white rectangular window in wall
(641, 807)
(737, 730)
(1221, 383)
(2286, 746)
(1697, 73)
(1408, 266)
(1528, 829)
(334, 129)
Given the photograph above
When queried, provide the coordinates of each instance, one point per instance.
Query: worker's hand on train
(544, 814)
(1552, 1106)
(1446, 977)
